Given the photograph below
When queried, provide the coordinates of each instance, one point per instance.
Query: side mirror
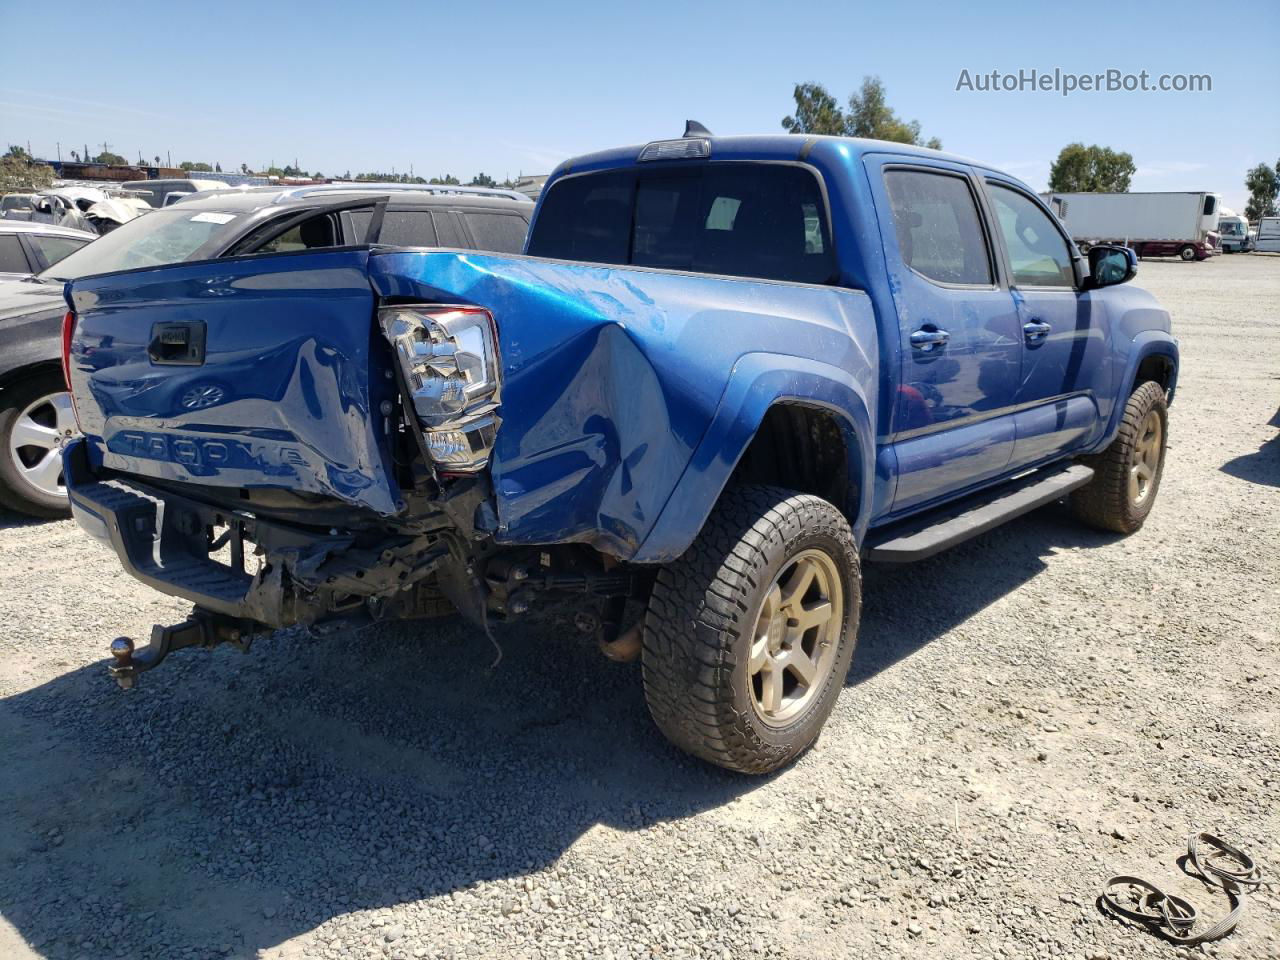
(1110, 264)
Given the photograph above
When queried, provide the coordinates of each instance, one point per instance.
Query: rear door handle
(929, 339)
(1035, 331)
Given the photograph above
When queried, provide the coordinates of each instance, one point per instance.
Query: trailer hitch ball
(122, 671)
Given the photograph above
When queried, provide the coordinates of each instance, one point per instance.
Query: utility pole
(59, 146)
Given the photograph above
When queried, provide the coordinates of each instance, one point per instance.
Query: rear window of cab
(759, 220)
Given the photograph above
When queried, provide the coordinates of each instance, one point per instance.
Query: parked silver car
(27, 248)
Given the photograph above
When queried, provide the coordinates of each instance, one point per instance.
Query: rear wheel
(35, 421)
(1127, 474)
(748, 636)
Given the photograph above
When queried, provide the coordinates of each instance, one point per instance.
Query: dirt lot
(1027, 714)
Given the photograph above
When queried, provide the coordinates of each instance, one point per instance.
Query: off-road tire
(1105, 501)
(697, 629)
(15, 492)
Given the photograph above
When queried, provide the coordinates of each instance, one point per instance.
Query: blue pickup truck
(725, 373)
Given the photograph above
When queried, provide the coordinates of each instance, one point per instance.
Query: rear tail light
(448, 356)
(68, 330)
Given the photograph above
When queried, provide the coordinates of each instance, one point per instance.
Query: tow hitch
(200, 630)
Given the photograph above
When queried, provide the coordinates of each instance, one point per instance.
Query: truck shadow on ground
(231, 803)
(1261, 466)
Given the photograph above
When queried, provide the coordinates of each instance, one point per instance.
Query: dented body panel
(285, 392)
(612, 377)
(628, 394)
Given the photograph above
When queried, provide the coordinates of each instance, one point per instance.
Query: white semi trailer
(1154, 224)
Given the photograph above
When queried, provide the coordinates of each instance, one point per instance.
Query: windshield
(152, 240)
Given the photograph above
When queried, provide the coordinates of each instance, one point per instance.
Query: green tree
(1093, 169)
(1263, 184)
(114, 159)
(482, 180)
(869, 115)
(448, 180)
(199, 167)
(817, 112)
(17, 152)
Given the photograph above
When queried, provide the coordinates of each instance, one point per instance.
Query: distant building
(230, 179)
(531, 185)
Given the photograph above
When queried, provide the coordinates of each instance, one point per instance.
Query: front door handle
(929, 338)
(1035, 331)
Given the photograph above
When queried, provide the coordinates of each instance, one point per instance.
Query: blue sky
(506, 88)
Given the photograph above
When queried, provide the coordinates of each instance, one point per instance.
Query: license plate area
(229, 545)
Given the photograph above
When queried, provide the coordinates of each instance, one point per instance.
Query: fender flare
(760, 381)
(1146, 344)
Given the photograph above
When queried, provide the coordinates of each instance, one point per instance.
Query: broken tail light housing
(448, 357)
(68, 332)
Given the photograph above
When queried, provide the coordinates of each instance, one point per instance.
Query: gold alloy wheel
(796, 636)
(1146, 459)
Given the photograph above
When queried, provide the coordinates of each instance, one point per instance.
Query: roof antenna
(692, 128)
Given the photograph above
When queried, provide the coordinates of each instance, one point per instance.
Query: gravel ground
(1026, 714)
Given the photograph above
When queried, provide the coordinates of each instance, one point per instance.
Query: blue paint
(628, 394)
(287, 395)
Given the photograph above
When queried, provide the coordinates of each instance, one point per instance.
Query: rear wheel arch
(760, 383)
(807, 448)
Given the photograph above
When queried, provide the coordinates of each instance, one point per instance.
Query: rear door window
(767, 221)
(935, 219)
(500, 232)
(313, 234)
(448, 233)
(402, 228)
(13, 259)
(53, 249)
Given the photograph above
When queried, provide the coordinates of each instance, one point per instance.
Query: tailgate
(256, 372)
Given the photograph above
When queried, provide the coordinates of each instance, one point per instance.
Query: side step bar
(918, 537)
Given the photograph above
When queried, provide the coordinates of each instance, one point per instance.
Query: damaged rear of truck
(368, 433)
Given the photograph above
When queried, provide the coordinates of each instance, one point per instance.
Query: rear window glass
(153, 239)
(500, 232)
(54, 249)
(447, 230)
(737, 219)
(403, 228)
(12, 257)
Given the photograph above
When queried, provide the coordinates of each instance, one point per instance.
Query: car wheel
(1127, 474)
(35, 421)
(748, 636)
(1187, 252)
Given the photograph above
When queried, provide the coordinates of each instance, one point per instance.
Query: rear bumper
(304, 575)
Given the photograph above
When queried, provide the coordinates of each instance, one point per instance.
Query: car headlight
(448, 356)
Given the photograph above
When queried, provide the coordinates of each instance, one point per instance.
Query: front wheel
(1187, 252)
(35, 420)
(1127, 474)
(748, 636)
